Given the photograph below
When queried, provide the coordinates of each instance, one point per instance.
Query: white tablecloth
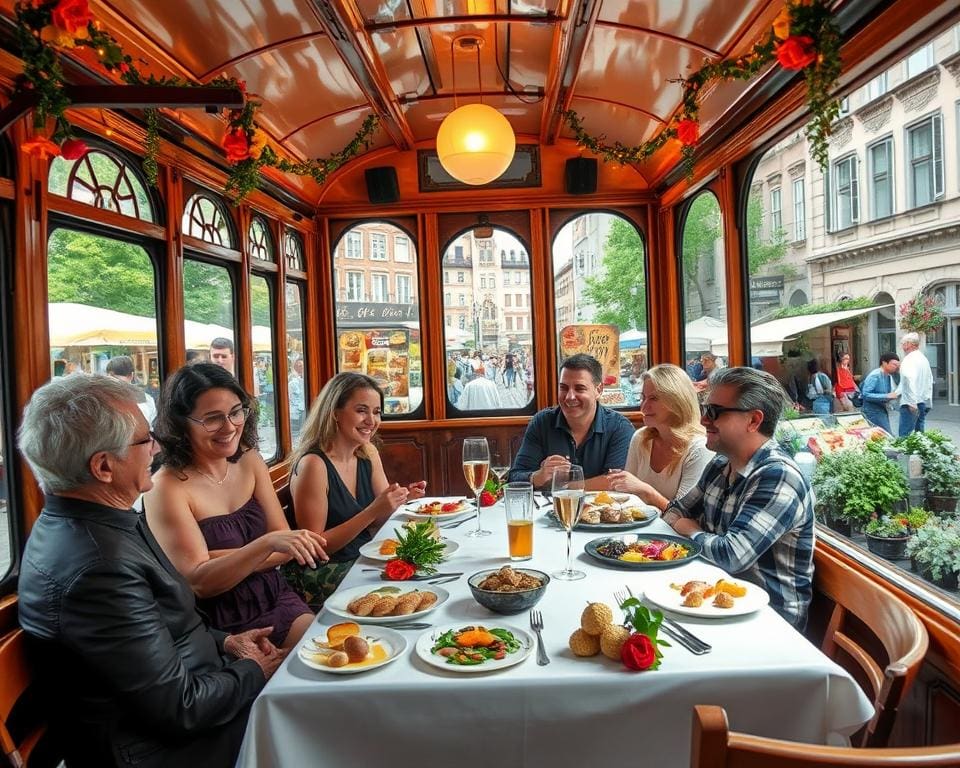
(573, 712)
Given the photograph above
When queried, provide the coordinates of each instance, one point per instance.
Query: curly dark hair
(178, 399)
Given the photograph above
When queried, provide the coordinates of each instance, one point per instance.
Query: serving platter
(663, 594)
(693, 551)
(337, 602)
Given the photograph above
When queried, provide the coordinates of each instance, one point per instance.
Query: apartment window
(446, 277)
(846, 196)
(404, 295)
(516, 278)
(844, 106)
(880, 172)
(458, 252)
(877, 87)
(446, 299)
(799, 211)
(459, 277)
(378, 246)
(493, 281)
(483, 282)
(925, 160)
(354, 245)
(509, 323)
(354, 286)
(463, 299)
(401, 248)
(920, 61)
(378, 287)
(506, 300)
(776, 212)
(463, 322)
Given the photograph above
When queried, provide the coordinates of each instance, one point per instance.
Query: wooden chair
(14, 682)
(867, 619)
(715, 746)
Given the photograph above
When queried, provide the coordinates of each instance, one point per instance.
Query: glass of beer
(518, 503)
(476, 467)
(567, 504)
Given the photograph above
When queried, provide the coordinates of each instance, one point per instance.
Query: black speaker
(581, 174)
(382, 184)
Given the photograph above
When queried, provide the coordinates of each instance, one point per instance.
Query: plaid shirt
(759, 526)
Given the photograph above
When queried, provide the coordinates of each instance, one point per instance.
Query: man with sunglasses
(752, 510)
(134, 673)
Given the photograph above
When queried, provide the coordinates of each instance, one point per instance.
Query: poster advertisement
(383, 354)
(603, 343)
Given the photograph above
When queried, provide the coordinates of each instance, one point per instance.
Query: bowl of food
(508, 590)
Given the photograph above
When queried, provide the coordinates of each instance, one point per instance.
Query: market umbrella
(633, 339)
(79, 325)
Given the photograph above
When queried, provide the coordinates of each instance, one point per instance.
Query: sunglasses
(713, 412)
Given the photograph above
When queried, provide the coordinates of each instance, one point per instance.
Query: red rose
(638, 652)
(73, 149)
(236, 146)
(688, 131)
(71, 15)
(796, 52)
(399, 570)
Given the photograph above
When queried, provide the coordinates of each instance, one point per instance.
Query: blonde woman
(669, 452)
(338, 485)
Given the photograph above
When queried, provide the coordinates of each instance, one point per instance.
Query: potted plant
(941, 467)
(856, 485)
(936, 552)
(888, 536)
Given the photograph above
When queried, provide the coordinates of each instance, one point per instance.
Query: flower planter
(887, 547)
(944, 505)
(839, 524)
(947, 581)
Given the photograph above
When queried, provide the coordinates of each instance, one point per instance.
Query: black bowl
(508, 602)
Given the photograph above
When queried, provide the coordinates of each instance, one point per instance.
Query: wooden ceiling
(321, 66)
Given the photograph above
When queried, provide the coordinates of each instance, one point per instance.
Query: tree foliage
(620, 292)
(701, 232)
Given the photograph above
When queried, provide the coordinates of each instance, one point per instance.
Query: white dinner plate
(392, 641)
(371, 549)
(662, 594)
(337, 602)
(429, 639)
(623, 499)
(413, 508)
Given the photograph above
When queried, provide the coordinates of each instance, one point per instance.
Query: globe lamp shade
(475, 144)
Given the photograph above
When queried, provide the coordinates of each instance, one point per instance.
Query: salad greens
(471, 646)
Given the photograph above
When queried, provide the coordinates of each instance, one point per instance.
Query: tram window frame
(263, 271)
(232, 268)
(451, 412)
(347, 234)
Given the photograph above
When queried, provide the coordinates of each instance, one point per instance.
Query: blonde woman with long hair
(669, 452)
(338, 485)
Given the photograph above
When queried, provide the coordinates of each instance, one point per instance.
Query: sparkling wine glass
(567, 490)
(476, 466)
(500, 465)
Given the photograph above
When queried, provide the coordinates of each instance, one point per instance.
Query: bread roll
(384, 606)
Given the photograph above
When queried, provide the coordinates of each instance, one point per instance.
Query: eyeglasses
(713, 412)
(150, 438)
(215, 422)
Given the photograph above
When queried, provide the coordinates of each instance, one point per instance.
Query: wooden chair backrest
(893, 625)
(15, 678)
(715, 746)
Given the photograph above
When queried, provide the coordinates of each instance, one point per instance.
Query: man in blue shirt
(578, 431)
(878, 389)
(752, 510)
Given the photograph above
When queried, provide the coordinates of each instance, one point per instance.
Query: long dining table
(572, 712)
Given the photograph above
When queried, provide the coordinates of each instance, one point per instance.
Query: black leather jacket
(135, 667)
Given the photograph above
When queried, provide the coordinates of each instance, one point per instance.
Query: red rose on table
(688, 131)
(796, 52)
(71, 15)
(399, 570)
(638, 652)
(487, 499)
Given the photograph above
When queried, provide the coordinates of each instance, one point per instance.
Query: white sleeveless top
(676, 480)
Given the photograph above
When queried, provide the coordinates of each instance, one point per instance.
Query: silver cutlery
(424, 577)
(678, 632)
(411, 625)
(536, 624)
(457, 523)
(444, 580)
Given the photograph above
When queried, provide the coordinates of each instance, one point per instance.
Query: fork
(536, 624)
(680, 629)
(699, 648)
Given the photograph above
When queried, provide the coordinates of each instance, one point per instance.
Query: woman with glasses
(215, 513)
(669, 452)
(337, 482)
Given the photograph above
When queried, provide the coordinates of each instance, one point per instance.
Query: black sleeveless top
(341, 504)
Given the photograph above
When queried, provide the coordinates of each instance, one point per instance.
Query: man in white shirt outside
(121, 367)
(479, 394)
(916, 386)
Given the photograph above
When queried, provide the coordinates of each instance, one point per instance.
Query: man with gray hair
(135, 674)
(916, 386)
(752, 510)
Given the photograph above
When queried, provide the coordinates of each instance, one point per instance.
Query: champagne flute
(476, 466)
(500, 465)
(567, 492)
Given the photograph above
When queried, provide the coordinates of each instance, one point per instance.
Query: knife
(417, 577)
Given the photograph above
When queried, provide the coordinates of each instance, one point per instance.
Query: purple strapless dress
(263, 599)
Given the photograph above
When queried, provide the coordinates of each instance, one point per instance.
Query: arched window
(259, 240)
(293, 250)
(206, 218)
(604, 301)
(104, 180)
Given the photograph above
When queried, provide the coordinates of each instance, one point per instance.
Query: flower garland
(803, 37)
(46, 27)
(921, 314)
